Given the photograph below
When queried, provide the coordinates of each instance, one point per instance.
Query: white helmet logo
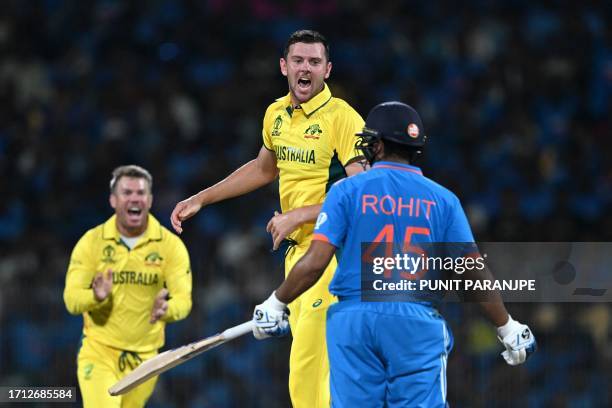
(413, 130)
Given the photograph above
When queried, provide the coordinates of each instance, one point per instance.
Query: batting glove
(518, 340)
(271, 319)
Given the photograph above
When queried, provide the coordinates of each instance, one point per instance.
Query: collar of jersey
(152, 233)
(314, 104)
(397, 166)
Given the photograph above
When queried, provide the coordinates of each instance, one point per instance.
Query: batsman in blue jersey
(386, 353)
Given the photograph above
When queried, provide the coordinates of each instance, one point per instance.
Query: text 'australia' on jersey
(391, 202)
(158, 260)
(312, 144)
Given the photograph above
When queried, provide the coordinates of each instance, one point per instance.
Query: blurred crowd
(516, 98)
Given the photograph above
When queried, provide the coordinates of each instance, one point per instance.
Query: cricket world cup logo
(108, 254)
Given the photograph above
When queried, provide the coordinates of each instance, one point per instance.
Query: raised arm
(257, 173)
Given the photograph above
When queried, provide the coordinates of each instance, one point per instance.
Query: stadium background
(516, 98)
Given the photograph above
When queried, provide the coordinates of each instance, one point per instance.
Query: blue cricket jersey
(392, 202)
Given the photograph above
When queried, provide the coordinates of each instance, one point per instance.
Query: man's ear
(379, 151)
(112, 200)
(328, 71)
(283, 66)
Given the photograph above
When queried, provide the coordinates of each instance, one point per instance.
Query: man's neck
(131, 232)
(295, 104)
(394, 159)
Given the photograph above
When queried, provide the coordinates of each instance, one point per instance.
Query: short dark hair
(130, 170)
(308, 37)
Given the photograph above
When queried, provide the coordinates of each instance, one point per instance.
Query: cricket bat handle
(237, 331)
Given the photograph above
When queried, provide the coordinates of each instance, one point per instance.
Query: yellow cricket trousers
(308, 363)
(100, 366)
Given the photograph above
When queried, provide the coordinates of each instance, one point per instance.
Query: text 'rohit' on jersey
(391, 203)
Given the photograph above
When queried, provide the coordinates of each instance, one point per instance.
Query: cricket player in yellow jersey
(128, 277)
(309, 142)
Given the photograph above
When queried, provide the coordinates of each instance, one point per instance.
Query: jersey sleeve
(333, 221)
(458, 228)
(78, 294)
(178, 281)
(348, 124)
(265, 131)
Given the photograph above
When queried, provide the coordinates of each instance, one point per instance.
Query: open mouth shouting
(304, 83)
(134, 214)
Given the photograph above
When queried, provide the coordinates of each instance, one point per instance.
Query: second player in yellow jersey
(128, 277)
(308, 142)
(312, 143)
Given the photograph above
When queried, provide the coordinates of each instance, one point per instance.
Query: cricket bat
(171, 358)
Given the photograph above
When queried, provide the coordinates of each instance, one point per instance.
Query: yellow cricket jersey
(312, 143)
(122, 320)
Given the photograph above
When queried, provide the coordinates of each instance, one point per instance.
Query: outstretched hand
(160, 305)
(183, 211)
(281, 225)
(102, 285)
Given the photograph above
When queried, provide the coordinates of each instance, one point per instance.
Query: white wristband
(503, 331)
(275, 303)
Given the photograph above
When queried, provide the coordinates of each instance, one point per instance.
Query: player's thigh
(357, 375)
(294, 315)
(415, 350)
(138, 397)
(96, 373)
(318, 296)
(309, 337)
(308, 327)
(308, 363)
(291, 259)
